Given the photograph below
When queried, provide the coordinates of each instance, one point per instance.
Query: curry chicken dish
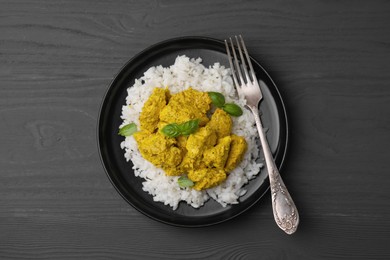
(204, 155)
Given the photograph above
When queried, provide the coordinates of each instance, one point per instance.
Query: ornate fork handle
(284, 209)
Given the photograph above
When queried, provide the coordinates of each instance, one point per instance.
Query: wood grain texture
(329, 59)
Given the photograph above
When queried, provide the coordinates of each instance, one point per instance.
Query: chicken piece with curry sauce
(221, 122)
(216, 156)
(187, 105)
(196, 144)
(206, 178)
(238, 148)
(159, 149)
(149, 117)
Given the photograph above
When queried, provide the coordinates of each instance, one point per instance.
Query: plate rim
(211, 41)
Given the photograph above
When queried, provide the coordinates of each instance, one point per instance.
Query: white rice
(185, 73)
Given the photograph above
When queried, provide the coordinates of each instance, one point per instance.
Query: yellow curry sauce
(207, 155)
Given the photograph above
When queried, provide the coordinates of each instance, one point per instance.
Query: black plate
(120, 172)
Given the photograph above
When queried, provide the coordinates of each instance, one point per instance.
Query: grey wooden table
(330, 60)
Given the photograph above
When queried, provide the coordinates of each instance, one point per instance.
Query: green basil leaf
(217, 98)
(171, 130)
(232, 109)
(184, 182)
(189, 127)
(128, 129)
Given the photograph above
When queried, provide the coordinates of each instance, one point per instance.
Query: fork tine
(243, 61)
(238, 69)
(248, 59)
(232, 67)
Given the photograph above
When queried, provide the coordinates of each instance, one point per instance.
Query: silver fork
(284, 209)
